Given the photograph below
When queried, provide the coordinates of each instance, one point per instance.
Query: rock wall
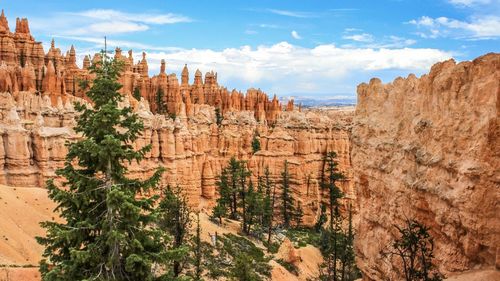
(192, 149)
(429, 148)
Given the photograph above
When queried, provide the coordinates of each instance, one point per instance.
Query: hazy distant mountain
(316, 102)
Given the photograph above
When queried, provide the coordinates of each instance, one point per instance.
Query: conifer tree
(415, 249)
(255, 142)
(175, 219)
(107, 232)
(299, 213)
(321, 219)
(287, 201)
(197, 251)
(160, 104)
(243, 175)
(223, 203)
(268, 209)
(137, 94)
(254, 207)
(218, 117)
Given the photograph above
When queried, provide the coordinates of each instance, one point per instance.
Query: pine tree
(218, 117)
(175, 219)
(108, 231)
(269, 202)
(255, 142)
(287, 201)
(223, 203)
(254, 207)
(297, 216)
(243, 175)
(268, 209)
(415, 249)
(321, 219)
(197, 251)
(334, 194)
(137, 94)
(160, 104)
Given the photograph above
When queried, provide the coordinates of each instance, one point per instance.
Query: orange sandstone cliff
(429, 148)
(37, 91)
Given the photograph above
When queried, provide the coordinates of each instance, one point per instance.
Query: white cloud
(103, 22)
(478, 27)
(296, 35)
(251, 32)
(313, 69)
(469, 3)
(363, 37)
(108, 14)
(294, 14)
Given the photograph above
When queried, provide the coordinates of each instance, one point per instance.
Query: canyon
(426, 147)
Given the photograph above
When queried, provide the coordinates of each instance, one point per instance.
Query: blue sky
(318, 49)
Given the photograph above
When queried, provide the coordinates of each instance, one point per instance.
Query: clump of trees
(254, 207)
(415, 248)
(336, 241)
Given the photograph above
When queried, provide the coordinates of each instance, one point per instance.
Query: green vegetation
(161, 108)
(218, 117)
(335, 242)
(290, 267)
(174, 218)
(237, 257)
(415, 249)
(137, 94)
(108, 232)
(255, 142)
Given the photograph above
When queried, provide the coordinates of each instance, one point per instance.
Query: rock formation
(37, 91)
(25, 67)
(428, 148)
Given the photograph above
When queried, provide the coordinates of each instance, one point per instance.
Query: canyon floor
(23, 208)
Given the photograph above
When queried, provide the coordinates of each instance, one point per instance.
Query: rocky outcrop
(428, 148)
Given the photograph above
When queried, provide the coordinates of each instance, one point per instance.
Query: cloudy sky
(317, 49)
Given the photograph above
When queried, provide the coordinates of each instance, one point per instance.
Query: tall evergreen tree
(218, 117)
(161, 108)
(175, 219)
(223, 203)
(255, 142)
(137, 94)
(243, 175)
(287, 201)
(108, 232)
(197, 248)
(268, 209)
(322, 219)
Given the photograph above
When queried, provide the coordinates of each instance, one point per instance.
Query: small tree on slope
(108, 230)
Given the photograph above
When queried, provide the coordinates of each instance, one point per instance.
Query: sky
(314, 49)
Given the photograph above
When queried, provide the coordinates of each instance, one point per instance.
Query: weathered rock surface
(37, 92)
(429, 149)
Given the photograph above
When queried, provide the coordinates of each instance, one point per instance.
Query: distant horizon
(318, 50)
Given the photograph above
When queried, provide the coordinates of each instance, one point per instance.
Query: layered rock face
(37, 92)
(24, 66)
(428, 148)
(193, 150)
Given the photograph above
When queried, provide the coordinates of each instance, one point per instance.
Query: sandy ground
(21, 211)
